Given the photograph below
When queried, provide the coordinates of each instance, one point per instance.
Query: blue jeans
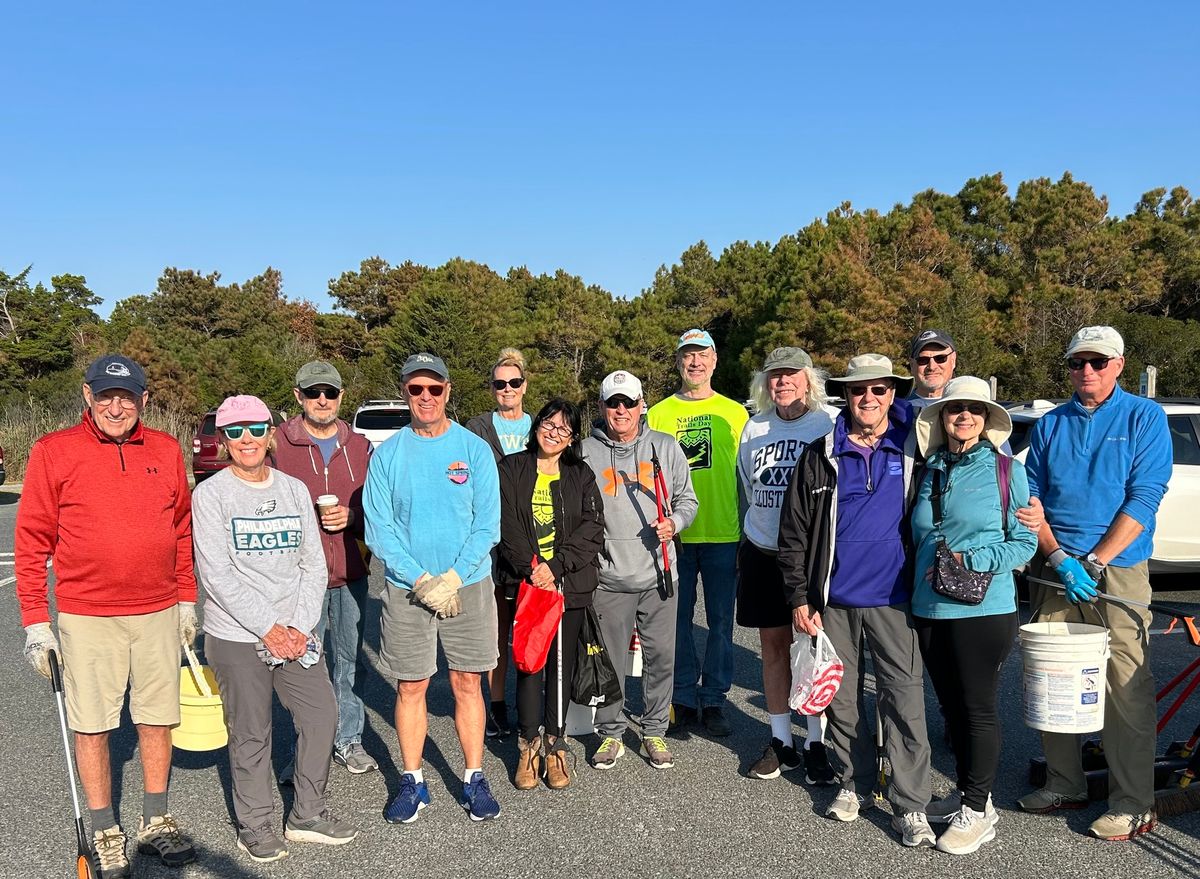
(342, 614)
(701, 682)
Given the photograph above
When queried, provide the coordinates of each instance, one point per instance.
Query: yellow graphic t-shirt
(543, 514)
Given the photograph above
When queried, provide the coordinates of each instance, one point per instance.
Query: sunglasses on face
(874, 390)
(234, 431)
(618, 401)
(499, 384)
(315, 393)
(1098, 364)
(415, 390)
(926, 359)
(978, 409)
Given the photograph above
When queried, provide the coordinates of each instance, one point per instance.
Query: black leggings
(537, 691)
(963, 658)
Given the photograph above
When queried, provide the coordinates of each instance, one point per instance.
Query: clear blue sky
(600, 138)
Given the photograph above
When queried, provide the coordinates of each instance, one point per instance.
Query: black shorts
(760, 601)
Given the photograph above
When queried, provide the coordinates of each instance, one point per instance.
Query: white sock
(781, 728)
(468, 773)
(816, 729)
(417, 774)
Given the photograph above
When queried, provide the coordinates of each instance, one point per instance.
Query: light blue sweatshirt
(971, 526)
(1089, 466)
(433, 505)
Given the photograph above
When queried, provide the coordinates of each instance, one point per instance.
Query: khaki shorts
(104, 656)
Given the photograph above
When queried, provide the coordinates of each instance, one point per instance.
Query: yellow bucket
(201, 717)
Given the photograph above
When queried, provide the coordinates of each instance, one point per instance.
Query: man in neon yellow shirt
(708, 426)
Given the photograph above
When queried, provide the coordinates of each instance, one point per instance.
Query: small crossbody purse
(951, 577)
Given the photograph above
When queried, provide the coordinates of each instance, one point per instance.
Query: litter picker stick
(661, 502)
(85, 863)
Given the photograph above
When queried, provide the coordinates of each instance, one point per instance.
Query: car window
(1185, 449)
(209, 426)
(1020, 436)
(382, 419)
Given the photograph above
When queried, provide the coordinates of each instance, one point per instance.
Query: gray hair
(815, 398)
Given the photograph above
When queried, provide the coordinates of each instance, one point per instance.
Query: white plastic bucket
(1065, 668)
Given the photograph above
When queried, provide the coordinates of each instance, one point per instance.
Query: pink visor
(242, 409)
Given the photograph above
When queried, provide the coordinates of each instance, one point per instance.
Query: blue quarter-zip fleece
(1089, 466)
(869, 549)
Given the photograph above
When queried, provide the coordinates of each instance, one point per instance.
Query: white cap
(1102, 340)
(621, 382)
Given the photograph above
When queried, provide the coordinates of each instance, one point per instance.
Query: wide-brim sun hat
(997, 426)
(869, 367)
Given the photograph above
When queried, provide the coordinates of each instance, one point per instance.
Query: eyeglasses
(926, 359)
(618, 401)
(234, 431)
(414, 390)
(315, 393)
(979, 409)
(104, 401)
(498, 384)
(550, 429)
(875, 390)
(1098, 364)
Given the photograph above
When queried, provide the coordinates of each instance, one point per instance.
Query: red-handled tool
(661, 501)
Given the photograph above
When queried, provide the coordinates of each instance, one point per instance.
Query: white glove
(188, 624)
(39, 641)
(440, 594)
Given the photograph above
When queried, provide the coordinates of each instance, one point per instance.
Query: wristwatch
(1094, 566)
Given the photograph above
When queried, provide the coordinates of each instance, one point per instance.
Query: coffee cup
(326, 503)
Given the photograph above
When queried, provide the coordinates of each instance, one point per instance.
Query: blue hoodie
(1089, 466)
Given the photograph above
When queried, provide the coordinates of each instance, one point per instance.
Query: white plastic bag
(816, 673)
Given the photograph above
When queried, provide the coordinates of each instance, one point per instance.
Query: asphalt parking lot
(703, 818)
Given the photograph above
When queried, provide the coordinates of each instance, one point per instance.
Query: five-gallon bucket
(201, 717)
(1065, 665)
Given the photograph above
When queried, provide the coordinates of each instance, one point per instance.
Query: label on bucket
(1063, 695)
(1089, 686)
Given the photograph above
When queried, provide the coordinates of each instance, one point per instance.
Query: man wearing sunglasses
(932, 358)
(108, 499)
(432, 502)
(1101, 463)
(321, 450)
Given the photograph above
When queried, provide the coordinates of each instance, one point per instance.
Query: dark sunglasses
(498, 384)
(979, 409)
(876, 391)
(926, 359)
(315, 393)
(234, 431)
(618, 401)
(1075, 364)
(415, 390)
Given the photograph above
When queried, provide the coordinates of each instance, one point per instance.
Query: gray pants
(654, 617)
(900, 701)
(246, 684)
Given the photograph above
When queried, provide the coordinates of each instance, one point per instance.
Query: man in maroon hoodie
(321, 450)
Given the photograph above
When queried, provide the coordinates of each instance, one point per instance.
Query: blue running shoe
(413, 797)
(478, 800)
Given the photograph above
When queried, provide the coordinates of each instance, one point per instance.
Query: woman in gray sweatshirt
(259, 556)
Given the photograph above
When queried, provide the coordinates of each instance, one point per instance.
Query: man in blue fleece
(432, 504)
(1100, 463)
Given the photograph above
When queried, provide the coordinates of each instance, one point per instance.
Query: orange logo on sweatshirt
(612, 478)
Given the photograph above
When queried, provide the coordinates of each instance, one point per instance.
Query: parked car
(1176, 537)
(205, 445)
(379, 420)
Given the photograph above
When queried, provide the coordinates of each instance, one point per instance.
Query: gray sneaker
(943, 811)
(355, 758)
(914, 830)
(163, 837)
(109, 845)
(846, 806)
(656, 749)
(262, 844)
(323, 828)
(968, 830)
(608, 753)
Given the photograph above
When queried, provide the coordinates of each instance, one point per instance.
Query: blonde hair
(814, 398)
(510, 357)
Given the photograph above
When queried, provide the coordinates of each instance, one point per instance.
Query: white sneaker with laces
(846, 806)
(914, 830)
(968, 830)
(943, 811)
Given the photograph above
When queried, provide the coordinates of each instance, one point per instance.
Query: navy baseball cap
(114, 371)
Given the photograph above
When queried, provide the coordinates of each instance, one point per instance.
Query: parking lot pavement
(703, 818)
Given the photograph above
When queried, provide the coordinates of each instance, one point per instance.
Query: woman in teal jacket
(963, 644)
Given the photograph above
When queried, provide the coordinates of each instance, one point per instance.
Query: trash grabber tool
(661, 501)
(86, 866)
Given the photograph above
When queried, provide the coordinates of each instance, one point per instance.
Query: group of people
(894, 524)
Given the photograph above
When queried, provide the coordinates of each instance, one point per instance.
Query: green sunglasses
(234, 431)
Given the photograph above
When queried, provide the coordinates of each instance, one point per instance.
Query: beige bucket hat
(997, 428)
(866, 367)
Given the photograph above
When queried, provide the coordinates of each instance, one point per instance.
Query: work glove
(39, 641)
(188, 624)
(1079, 584)
(440, 594)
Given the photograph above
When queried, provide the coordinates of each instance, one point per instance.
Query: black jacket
(482, 427)
(806, 525)
(578, 525)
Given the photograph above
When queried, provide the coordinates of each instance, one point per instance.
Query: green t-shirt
(543, 514)
(708, 431)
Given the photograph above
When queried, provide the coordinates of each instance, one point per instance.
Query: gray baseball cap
(925, 338)
(425, 362)
(318, 372)
(787, 358)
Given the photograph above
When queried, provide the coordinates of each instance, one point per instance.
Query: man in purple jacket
(323, 452)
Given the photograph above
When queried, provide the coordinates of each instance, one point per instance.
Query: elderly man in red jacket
(108, 501)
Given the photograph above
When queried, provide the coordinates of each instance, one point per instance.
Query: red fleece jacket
(115, 517)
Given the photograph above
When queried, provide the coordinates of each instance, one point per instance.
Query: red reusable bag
(535, 625)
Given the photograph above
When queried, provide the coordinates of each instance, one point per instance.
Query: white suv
(379, 420)
(1176, 537)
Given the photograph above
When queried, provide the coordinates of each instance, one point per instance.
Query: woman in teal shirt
(963, 644)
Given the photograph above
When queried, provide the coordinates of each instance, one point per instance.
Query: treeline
(1011, 275)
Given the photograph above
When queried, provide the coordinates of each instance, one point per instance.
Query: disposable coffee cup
(326, 502)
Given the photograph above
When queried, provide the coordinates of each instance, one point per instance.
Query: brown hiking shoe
(529, 764)
(557, 776)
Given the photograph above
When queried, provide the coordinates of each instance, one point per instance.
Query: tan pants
(1130, 716)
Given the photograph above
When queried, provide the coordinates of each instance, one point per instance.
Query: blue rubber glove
(1079, 584)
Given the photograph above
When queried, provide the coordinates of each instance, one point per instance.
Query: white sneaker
(846, 806)
(968, 830)
(943, 811)
(914, 830)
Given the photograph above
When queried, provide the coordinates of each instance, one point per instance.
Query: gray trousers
(246, 685)
(900, 701)
(654, 617)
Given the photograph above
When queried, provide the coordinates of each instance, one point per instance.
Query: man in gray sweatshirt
(635, 588)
